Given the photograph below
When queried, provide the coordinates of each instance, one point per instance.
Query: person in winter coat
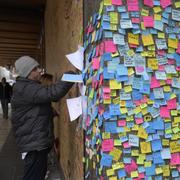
(32, 116)
(5, 96)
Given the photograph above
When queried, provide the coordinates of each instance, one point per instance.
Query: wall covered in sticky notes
(132, 66)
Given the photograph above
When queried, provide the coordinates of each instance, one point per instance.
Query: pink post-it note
(96, 63)
(126, 145)
(135, 20)
(169, 81)
(148, 3)
(106, 90)
(133, 5)
(165, 3)
(88, 121)
(117, 2)
(161, 52)
(172, 104)
(107, 145)
(97, 50)
(171, 61)
(175, 159)
(106, 96)
(164, 112)
(161, 68)
(178, 49)
(154, 82)
(110, 46)
(101, 49)
(148, 21)
(131, 167)
(139, 120)
(122, 123)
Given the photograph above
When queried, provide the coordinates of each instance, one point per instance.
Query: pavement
(11, 164)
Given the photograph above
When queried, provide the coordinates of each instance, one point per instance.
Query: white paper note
(77, 58)
(74, 107)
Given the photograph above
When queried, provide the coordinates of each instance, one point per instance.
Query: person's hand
(70, 72)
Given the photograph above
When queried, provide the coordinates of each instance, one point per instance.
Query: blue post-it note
(136, 95)
(158, 124)
(107, 57)
(150, 171)
(107, 75)
(157, 159)
(114, 109)
(106, 160)
(110, 127)
(121, 173)
(122, 70)
(156, 145)
(72, 77)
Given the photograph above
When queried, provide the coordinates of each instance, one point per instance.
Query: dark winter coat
(5, 91)
(32, 114)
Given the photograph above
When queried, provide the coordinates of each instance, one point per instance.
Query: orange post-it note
(133, 38)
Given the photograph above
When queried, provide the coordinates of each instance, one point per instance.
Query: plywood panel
(63, 23)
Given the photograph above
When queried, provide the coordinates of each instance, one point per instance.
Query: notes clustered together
(132, 67)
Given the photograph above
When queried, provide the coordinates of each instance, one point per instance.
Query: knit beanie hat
(24, 65)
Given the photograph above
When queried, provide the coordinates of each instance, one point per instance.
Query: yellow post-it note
(137, 110)
(174, 146)
(113, 27)
(134, 174)
(153, 63)
(144, 12)
(147, 164)
(167, 88)
(130, 71)
(116, 154)
(122, 103)
(110, 172)
(159, 170)
(135, 152)
(113, 93)
(165, 142)
(166, 171)
(107, 2)
(118, 165)
(107, 101)
(161, 35)
(147, 40)
(145, 147)
(114, 84)
(133, 38)
(157, 9)
(106, 135)
(130, 52)
(117, 142)
(177, 4)
(113, 17)
(128, 89)
(157, 17)
(123, 110)
(142, 133)
(113, 178)
(177, 119)
(116, 100)
(173, 43)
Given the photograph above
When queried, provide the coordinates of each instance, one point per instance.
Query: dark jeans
(4, 104)
(35, 165)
